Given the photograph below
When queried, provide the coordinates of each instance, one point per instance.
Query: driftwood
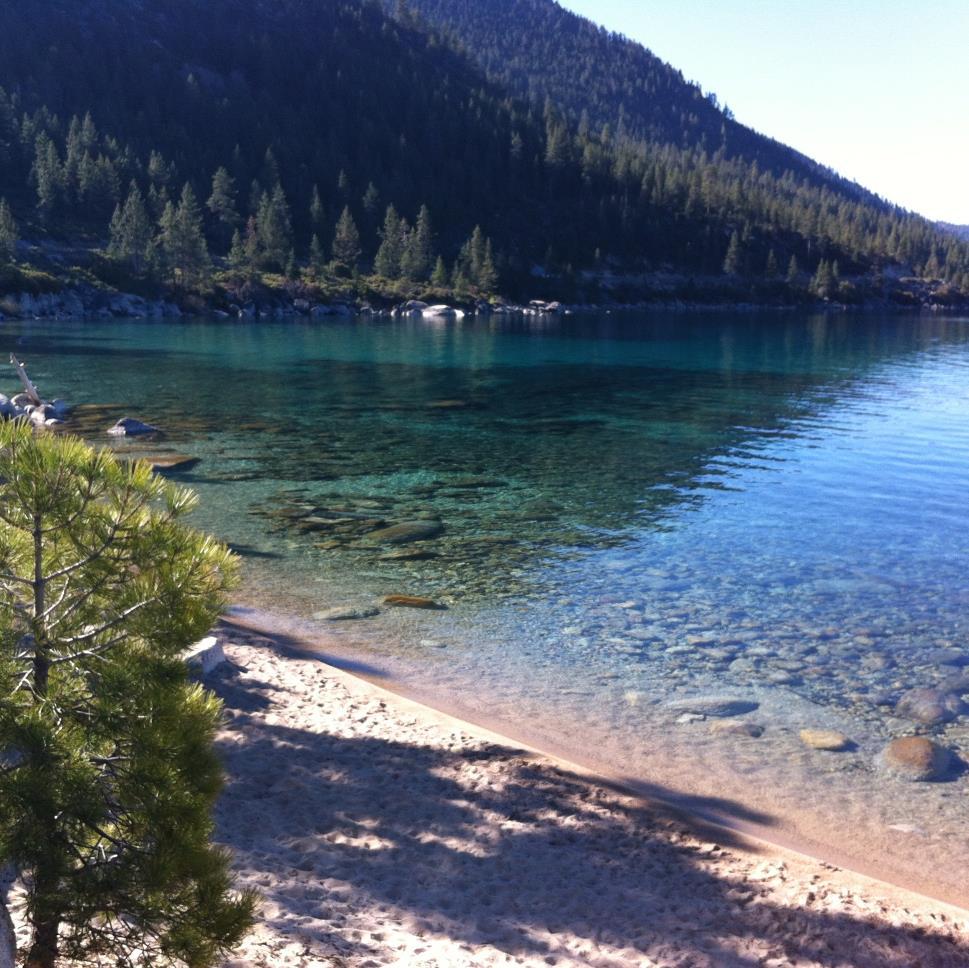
(29, 387)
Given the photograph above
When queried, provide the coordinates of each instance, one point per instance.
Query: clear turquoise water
(635, 509)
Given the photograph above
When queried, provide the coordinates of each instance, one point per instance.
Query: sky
(876, 89)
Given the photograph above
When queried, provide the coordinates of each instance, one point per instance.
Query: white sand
(381, 832)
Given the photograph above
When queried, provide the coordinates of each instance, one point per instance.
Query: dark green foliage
(609, 158)
(181, 250)
(131, 231)
(346, 242)
(222, 204)
(110, 775)
(8, 233)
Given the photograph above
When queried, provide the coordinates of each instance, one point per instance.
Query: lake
(623, 515)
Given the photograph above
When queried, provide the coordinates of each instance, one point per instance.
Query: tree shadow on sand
(490, 846)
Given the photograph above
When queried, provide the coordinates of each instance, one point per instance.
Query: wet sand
(383, 832)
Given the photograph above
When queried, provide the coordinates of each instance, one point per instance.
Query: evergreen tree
(237, 251)
(317, 258)
(222, 203)
(111, 778)
(822, 285)
(487, 278)
(771, 270)
(439, 277)
(346, 242)
(732, 262)
(182, 242)
(389, 255)
(9, 234)
(417, 256)
(317, 212)
(275, 228)
(131, 231)
(793, 271)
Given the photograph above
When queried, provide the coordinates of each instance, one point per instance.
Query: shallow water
(634, 509)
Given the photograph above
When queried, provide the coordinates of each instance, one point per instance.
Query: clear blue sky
(877, 89)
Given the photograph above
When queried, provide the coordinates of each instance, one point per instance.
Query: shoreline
(700, 813)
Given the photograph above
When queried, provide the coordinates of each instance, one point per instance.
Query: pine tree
(317, 258)
(222, 203)
(182, 242)
(822, 285)
(732, 262)
(317, 213)
(488, 275)
(237, 251)
(439, 277)
(388, 260)
(771, 269)
(131, 231)
(346, 242)
(418, 257)
(275, 228)
(793, 271)
(9, 234)
(111, 776)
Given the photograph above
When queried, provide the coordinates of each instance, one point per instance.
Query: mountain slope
(342, 100)
(540, 50)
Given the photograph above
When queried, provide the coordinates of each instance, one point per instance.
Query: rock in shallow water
(736, 727)
(345, 613)
(829, 740)
(408, 531)
(129, 427)
(412, 601)
(930, 706)
(719, 706)
(915, 758)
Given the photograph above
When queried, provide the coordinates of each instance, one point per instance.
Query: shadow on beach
(490, 846)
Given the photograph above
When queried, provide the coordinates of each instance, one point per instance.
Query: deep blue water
(634, 509)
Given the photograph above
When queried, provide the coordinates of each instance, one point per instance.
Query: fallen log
(29, 387)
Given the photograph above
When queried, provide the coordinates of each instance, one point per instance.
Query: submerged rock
(408, 531)
(915, 758)
(930, 706)
(129, 427)
(825, 739)
(736, 727)
(345, 613)
(719, 706)
(413, 601)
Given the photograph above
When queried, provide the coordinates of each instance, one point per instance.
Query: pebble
(736, 727)
(825, 739)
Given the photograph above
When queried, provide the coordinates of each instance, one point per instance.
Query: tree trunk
(43, 950)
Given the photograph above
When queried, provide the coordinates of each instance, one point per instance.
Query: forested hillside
(465, 146)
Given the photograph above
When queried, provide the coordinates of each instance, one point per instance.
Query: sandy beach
(382, 832)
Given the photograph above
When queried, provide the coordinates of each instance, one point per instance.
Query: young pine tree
(131, 231)
(275, 228)
(317, 258)
(733, 260)
(222, 204)
(346, 241)
(439, 277)
(388, 260)
(417, 256)
(110, 776)
(9, 234)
